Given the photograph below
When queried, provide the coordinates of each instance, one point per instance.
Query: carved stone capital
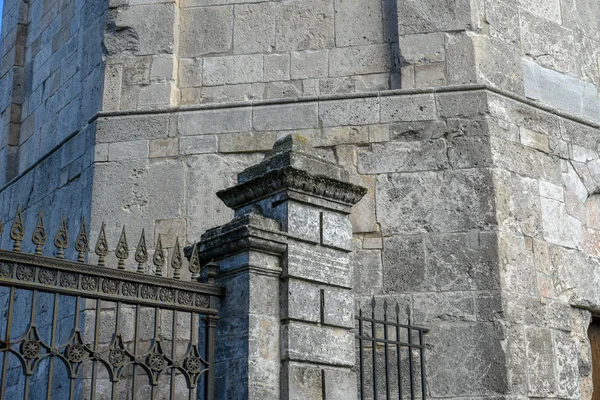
(291, 179)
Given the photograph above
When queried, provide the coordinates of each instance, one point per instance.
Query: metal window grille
(391, 356)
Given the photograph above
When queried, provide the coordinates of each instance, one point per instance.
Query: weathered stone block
(339, 384)
(349, 112)
(304, 25)
(336, 230)
(425, 47)
(322, 345)
(198, 144)
(359, 60)
(427, 201)
(205, 30)
(309, 64)
(347, 12)
(408, 108)
(254, 28)
(540, 353)
(459, 344)
(118, 129)
(285, 117)
(403, 157)
(404, 267)
(367, 270)
(331, 266)
(416, 16)
(233, 69)
(277, 67)
(214, 121)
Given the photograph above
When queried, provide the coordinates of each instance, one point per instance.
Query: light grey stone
(359, 60)
(277, 67)
(408, 108)
(198, 144)
(214, 121)
(254, 28)
(347, 12)
(205, 30)
(285, 117)
(309, 64)
(232, 69)
(305, 25)
(349, 112)
(303, 342)
(403, 157)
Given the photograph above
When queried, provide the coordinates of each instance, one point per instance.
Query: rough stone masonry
(474, 125)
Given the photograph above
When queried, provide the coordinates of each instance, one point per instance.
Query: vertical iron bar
(52, 344)
(210, 333)
(192, 342)
(73, 379)
(361, 355)
(95, 350)
(399, 356)
(422, 355)
(374, 339)
(135, 349)
(156, 320)
(117, 334)
(386, 355)
(31, 324)
(173, 352)
(410, 364)
(7, 341)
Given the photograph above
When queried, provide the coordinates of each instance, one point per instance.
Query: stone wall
(544, 49)
(51, 78)
(224, 51)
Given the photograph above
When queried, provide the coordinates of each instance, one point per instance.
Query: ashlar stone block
(206, 30)
(305, 25)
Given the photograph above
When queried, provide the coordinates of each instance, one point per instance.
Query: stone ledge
(290, 178)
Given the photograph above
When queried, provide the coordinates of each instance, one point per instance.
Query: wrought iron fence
(391, 356)
(76, 330)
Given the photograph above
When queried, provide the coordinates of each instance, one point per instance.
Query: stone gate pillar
(287, 317)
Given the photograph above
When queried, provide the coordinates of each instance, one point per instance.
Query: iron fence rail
(88, 324)
(395, 370)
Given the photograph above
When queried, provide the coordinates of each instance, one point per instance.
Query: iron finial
(122, 251)
(141, 253)
(82, 242)
(159, 257)
(176, 260)
(17, 232)
(39, 235)
(195, 263)
(101, 246)
(61, 240)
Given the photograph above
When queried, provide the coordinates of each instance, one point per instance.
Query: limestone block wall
(547, 206)
(192, 52)
(426, 162)
(544, 49)
(51, 82)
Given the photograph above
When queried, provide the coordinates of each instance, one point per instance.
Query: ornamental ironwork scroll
(180, 349)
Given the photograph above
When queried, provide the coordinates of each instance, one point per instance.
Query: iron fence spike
(373, 302)
(195, 263)
(82, 241)
(122, 250)
(141, 253)
(176, 260)
(17, 232)
(61, 240)
(39, 234)
(101, 249)
(159, 257)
